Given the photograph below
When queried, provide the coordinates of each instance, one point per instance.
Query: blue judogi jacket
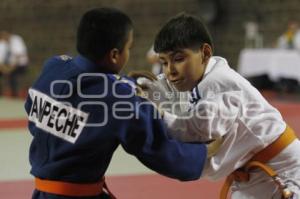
(78, 117)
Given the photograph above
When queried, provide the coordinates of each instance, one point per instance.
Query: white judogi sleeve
(211, 118)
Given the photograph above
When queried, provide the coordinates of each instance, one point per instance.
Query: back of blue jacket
(78, 117)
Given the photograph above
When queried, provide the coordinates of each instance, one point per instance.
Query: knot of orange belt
(259, 162)
(72, 189)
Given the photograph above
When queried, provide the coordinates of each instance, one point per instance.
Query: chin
(181, 89)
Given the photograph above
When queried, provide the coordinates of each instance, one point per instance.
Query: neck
(104, 67)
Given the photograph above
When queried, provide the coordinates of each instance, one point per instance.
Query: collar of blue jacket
(86, 64)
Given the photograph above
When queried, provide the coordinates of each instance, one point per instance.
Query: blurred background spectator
(13, 61)
(253, 38)
(153, 60)
(290, 39)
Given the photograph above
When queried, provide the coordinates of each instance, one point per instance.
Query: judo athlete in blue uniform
(80, 111)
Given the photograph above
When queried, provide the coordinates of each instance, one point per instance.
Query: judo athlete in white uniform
(221, 104)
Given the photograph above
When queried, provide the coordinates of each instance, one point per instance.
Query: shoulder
(219, 72)
(58, 59)
(16, 38)
(106, 85)
(222, 78)
(58, 65)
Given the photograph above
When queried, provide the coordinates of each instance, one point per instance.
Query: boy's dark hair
(101, 30)
(182, 31)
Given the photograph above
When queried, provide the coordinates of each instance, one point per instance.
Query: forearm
(186, 128)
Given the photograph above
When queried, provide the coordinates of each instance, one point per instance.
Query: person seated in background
(152, 58)
(290, 39)
(13, 60)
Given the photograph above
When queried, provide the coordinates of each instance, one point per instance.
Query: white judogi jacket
(224, 104)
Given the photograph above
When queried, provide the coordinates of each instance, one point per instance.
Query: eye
(163, 63)
(179, 58)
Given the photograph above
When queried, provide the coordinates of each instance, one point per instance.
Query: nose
(171, 70)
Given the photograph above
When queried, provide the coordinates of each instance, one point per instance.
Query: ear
(207, 52)
(114, 55)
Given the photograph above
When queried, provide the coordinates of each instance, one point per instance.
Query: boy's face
(184, 68)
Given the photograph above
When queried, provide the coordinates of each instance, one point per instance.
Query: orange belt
(72, 189)
(259, 160)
